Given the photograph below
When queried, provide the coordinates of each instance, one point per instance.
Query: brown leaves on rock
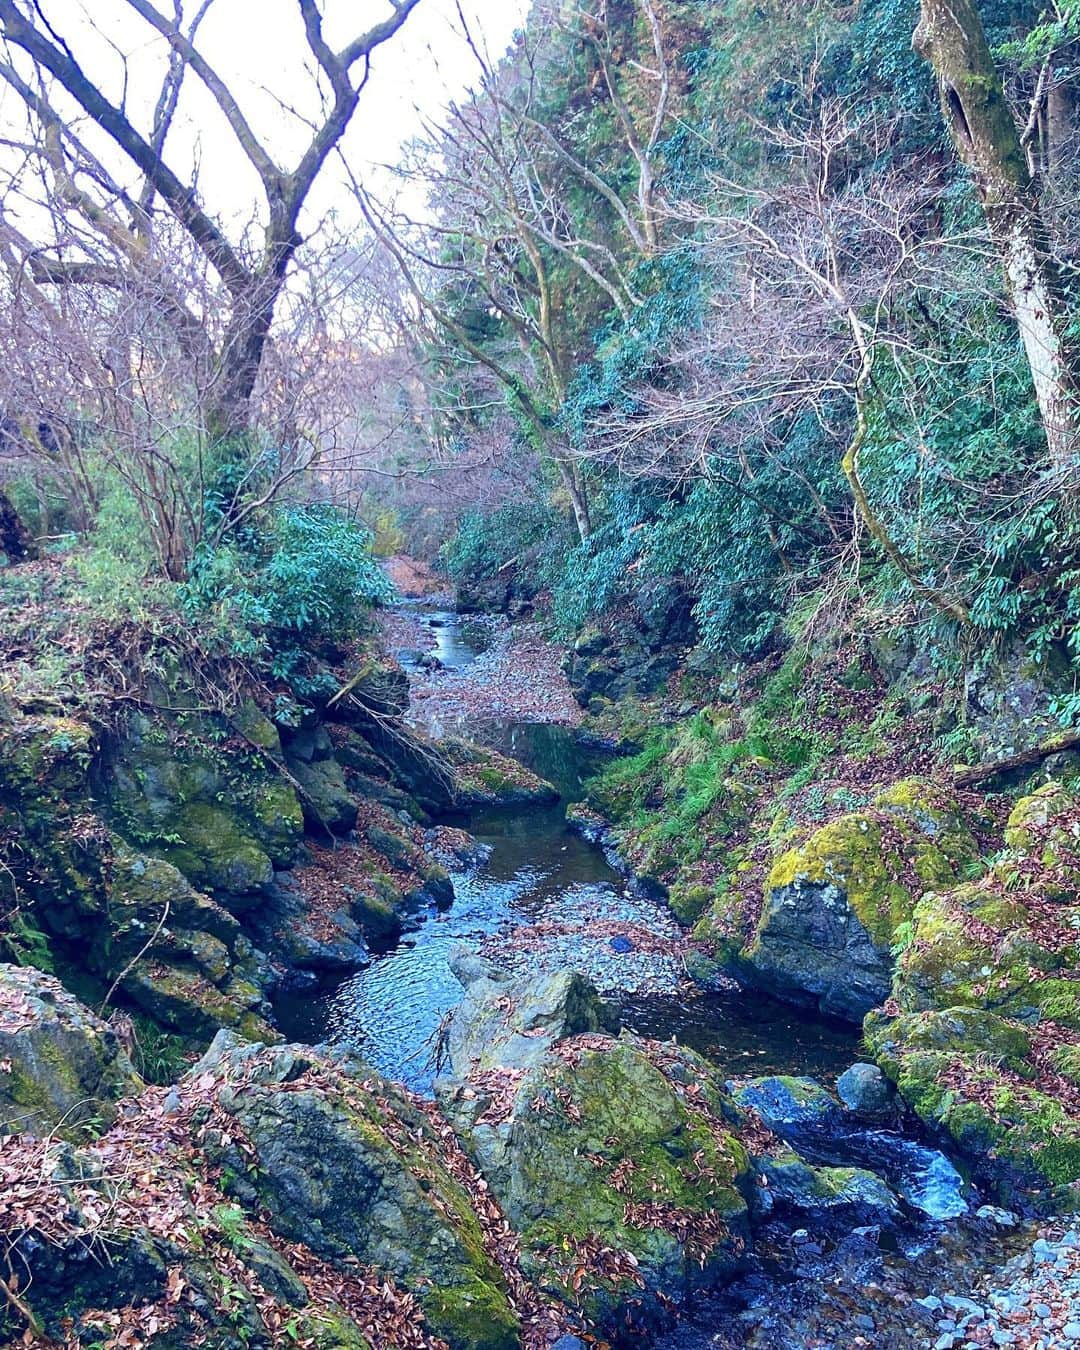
(148, 1174)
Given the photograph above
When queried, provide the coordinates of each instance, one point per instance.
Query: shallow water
(540, 871)
(458, 641)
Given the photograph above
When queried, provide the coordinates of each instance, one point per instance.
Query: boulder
(847, 1195)
(983, 1041)
(834, 904)
(593, 1144)
(865, 1090)
(61, 1068)
(969, 1074)
(513, 1025)
(793, 1108)
(343, 1162)
(614, 1161)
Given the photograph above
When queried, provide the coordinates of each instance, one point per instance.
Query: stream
(540, 892)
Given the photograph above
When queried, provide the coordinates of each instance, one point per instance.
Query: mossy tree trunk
(950, 36)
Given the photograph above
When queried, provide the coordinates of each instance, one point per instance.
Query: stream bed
(541, 897)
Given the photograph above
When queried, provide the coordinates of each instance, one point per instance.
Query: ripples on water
(390, 1011)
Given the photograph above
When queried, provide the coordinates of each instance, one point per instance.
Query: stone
(325, 798)
(468, 966)
(346, 1164)
(833, 904)
(793, 1108)
(842, 1194)
(1000, 1218)
(599, 1142)
(500, 1025)
(62, 1069)
(865, 1090)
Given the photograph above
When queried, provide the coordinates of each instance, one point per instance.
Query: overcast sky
(259, 46)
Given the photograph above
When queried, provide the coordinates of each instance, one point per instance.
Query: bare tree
(507, 239)
(253, 279)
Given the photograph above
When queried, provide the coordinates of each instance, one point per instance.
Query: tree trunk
(950, 36)
(575, 490)
(245, 340)
(15, 541)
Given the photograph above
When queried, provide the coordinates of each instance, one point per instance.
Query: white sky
(259, 45)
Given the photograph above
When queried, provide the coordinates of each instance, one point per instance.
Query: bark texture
(950, 36)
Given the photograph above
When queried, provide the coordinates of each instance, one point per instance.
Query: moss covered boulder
(614, 1161)
(984, 1037)
(612, 1157)
(345, 1163)
(835, 903)
(62, 1069)
(793, 1108)
(483, 777)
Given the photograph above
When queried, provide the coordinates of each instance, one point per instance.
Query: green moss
(213, 850)
(472, 1315)
(615, 1107)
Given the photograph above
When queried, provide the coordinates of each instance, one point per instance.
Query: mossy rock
(824, 1193)
(607, 1144)
(61, 1068)
(966, 1073)
(45, 756)
(974, 946)
(345, 1163)
(215, 853)
(835, 904)
(1045, 828)
(325, 798)
(184, 1000)
(513, 1025)
(615, 1108)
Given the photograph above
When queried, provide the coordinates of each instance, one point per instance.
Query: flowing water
(537, 871)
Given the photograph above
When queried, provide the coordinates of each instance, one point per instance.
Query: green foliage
(160, 1056)
(118, 569)
(23, 943)
(485, 543)
(309, 578)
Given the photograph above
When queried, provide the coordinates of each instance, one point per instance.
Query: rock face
(834, 903)
(595, 1145)
(347, 1165)
(172, 858)
(984, 1045)
(61, 1068)
(336, 1197)
(638, 650)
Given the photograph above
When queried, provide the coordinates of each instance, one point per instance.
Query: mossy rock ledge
(984, 1038)
(833, 905)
